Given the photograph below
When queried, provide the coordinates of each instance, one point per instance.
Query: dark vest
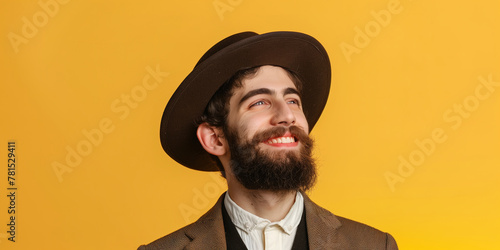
(234, 241)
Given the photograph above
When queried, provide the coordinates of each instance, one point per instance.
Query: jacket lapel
(208, 231)
(321, 226)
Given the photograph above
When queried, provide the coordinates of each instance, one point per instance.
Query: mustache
(296, 132)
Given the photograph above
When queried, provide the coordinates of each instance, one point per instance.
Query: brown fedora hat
(294, 51)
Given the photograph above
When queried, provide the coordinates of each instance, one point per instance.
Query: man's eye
(258, 103)
(296, 102)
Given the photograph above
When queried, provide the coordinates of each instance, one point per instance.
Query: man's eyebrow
(288, 91)
(254, 93)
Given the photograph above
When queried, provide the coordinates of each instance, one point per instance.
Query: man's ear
(211, 140)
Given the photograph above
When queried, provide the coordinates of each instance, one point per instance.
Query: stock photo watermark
(454, 118)
(122, 107)
(31, 26)
(223, 6)
(364, 35)
(200, 201)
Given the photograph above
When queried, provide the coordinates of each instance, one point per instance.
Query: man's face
(267, 133)
(268, 99)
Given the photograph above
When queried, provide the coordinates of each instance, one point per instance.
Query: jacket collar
(322, 226)
(208, 232)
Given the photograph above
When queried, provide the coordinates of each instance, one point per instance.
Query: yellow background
(397, 88)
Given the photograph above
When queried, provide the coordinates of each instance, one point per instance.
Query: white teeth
(281, 140)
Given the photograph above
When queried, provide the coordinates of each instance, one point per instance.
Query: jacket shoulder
(174, 240)
(362, 236)
(208, 231)
(329, 231)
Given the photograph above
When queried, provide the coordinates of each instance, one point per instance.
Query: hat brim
(297, 52)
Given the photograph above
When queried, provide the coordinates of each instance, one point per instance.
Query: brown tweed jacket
(324, 230)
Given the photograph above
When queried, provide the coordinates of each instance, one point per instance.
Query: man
(246, 109)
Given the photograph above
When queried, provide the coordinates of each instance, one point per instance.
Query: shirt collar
(247, 221)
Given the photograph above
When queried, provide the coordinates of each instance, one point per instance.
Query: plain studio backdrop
(408, 142)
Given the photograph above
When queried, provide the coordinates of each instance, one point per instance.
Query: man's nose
(283, 114)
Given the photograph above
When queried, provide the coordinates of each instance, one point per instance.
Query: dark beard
(276, 171)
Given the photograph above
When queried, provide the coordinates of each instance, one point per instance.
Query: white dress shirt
(262, 234)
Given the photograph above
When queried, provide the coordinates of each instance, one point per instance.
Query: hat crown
(295, 51)
(225, 43)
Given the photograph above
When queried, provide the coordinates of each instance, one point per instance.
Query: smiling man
(246, 110)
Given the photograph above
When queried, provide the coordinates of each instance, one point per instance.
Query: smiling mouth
(286, 140)
(282, 140)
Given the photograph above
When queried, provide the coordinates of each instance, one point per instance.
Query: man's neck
(270, 205)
